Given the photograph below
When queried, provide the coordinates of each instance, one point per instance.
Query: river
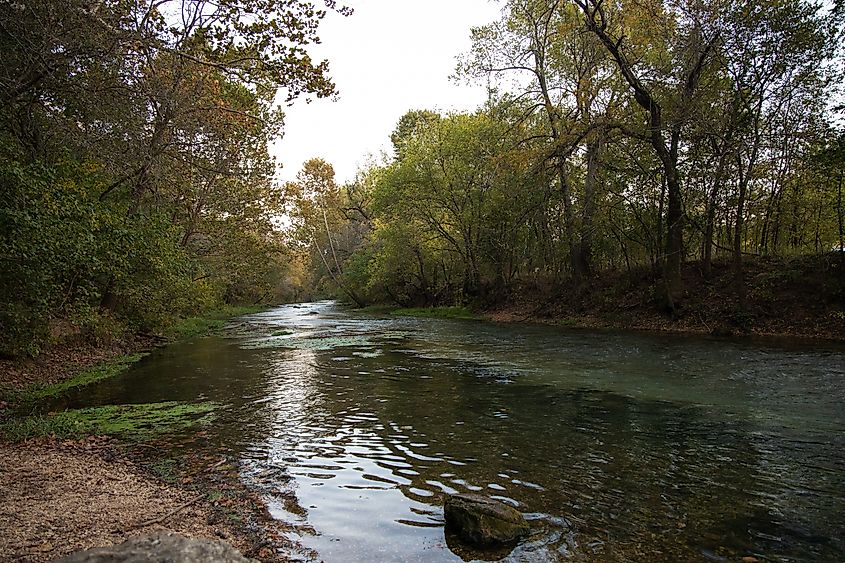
(617, 446)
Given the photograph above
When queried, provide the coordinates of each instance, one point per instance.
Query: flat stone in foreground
(484, 522)
(160, 548)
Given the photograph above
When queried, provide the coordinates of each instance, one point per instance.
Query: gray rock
(160, 548)
(484, 522)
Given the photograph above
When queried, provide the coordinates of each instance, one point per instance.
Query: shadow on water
(618, 447)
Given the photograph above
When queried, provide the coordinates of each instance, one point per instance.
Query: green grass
(377, 309)
(195, 326)
(129, 422)
(166, 470)
(454, 312)
(210, 322)
(98, 372)
(438, 313)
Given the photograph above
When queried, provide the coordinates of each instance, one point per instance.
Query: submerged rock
(160, 548)
(484, 522)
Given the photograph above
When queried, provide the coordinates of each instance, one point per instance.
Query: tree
(315, 204)
(561, 73)
(144, 127)
(692, 51)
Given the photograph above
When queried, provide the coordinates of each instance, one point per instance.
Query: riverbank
(66, 487)
(59, 497)
(799, 298)
(802, 297)
(72, 358)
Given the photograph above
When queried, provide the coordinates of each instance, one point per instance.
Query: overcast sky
(390, 56)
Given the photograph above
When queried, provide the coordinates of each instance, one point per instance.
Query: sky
(389, 57)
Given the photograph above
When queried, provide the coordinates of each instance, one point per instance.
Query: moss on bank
(66, 367)
(129, 422)
(377, 309)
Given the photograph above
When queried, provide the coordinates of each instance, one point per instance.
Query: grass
(210, 322)
(454, 312)
(130, 422)
(438, 313)
(377, 309)
(93, 374)
(166, 470)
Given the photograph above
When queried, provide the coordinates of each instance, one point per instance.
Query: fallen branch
(218, 464)
(161, 519)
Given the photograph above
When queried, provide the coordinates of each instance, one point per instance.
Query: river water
(616, 446)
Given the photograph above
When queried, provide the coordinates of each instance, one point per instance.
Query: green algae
(317, 343)
(133, 422)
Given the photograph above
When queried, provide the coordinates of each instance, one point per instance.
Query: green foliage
(66, 254)
(45, 225)
(135, 194)
(136, 422)
(631, 136)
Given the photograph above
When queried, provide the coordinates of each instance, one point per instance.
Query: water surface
(616, 446)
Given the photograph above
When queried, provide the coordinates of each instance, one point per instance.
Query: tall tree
(672, 84)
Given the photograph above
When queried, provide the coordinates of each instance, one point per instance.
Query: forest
(646, 138)
(630, 247)
(136, 180)
(618, 137)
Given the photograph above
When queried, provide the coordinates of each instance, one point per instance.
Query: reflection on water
(618, 447)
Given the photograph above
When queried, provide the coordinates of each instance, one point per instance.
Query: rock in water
(160, 548)
(484, 522)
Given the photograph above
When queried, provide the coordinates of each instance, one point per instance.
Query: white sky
(389, 57)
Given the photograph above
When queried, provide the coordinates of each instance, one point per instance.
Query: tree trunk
(739, 278)
(348, 291)
(709, 226)
(554, 128)
(674, 240)
(661, 204)
(840, 216)
(569, 220)
(585, 246)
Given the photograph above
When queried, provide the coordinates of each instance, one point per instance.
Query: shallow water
(616, 446)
